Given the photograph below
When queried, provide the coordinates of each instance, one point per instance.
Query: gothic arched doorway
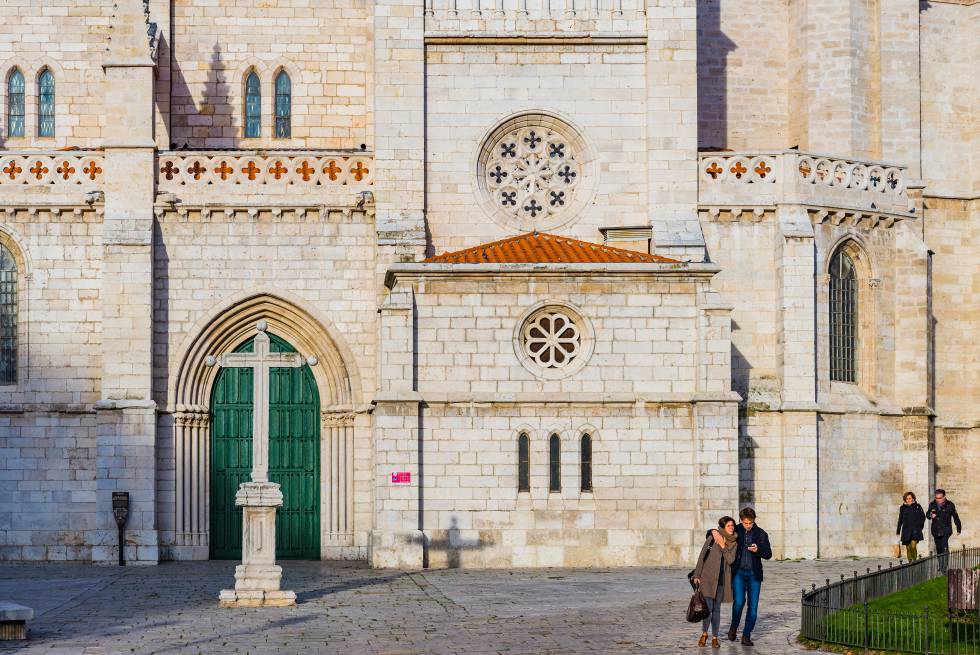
(294, 456)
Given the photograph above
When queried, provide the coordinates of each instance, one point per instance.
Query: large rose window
(533, 173)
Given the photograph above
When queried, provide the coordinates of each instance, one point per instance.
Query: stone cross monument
(257, 577)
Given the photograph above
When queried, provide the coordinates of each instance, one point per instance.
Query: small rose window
(552, 339)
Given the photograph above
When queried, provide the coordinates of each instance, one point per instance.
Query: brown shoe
(703, 640)
(715, 643)
(746, 641)
(731, 635)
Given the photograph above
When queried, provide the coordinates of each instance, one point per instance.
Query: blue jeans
(745, 587)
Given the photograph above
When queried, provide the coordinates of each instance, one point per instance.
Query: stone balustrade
(268, 172)
(799, 177)
(534, 16)
(81, 170)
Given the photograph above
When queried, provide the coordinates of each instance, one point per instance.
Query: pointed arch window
(45, 103)
(15, 104)
(523, 462)
(585, 462)
(554, 463)
(843, 318)
(8, 317)
(284, 105)
(253, 106)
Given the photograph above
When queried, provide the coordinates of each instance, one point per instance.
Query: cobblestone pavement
(351, 610)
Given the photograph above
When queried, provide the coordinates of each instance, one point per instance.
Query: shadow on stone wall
(713, 50)
(452, 542)
(208, 124)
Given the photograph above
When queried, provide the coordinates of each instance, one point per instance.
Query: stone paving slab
(350, 609)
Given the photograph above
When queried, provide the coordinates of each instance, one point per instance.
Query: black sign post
(120, 510)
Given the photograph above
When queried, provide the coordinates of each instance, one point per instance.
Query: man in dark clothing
(942, 513)
(753, 547)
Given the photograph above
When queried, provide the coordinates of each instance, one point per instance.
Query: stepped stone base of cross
(257, 578)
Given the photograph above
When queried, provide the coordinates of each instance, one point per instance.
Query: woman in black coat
(911, 519)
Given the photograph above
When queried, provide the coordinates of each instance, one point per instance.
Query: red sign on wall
(401, 477)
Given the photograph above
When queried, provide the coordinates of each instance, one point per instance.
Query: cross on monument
(260, 362)
(257, 578)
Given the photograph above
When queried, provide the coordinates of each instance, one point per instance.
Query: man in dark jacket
(753, 547)
(942, 513)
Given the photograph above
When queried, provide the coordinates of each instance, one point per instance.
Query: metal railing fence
(840, 612)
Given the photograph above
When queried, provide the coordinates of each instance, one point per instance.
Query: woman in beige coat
(713, 575)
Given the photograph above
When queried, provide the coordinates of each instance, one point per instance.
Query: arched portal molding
(311, 334)
(189, 395)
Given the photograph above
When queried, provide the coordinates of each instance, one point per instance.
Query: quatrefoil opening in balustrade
(534, 172)
(553, 341)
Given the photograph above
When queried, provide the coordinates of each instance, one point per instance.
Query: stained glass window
(284, 105)
(15, 104)
(253, 106)
(45, 103)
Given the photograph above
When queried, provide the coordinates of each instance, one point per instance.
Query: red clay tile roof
(540, 248)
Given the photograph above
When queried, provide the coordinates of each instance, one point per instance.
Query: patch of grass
(914, 600)
(897, 623)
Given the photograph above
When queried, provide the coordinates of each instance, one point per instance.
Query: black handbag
(697, 609)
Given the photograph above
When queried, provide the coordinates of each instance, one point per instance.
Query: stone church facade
(571, 280)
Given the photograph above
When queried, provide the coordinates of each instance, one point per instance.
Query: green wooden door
(294, 456)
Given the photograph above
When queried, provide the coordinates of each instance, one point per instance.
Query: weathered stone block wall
(861, 484)
(650, 501)
(957, 451)
(745, 249)
(646, 340)
(950, 118)
(47, 422)
(953, 231)
(598, 89)
(743, 75)
(69, 36)
(324, 46)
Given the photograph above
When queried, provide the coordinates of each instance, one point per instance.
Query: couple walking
(730, 569)
(911, 519)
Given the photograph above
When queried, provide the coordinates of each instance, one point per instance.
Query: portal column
(337, 465)
(191, 458)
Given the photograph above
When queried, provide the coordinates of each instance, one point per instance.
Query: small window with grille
(8, 317)
(523, 462)
(585, 456)
(554, 463)
(843, 318)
